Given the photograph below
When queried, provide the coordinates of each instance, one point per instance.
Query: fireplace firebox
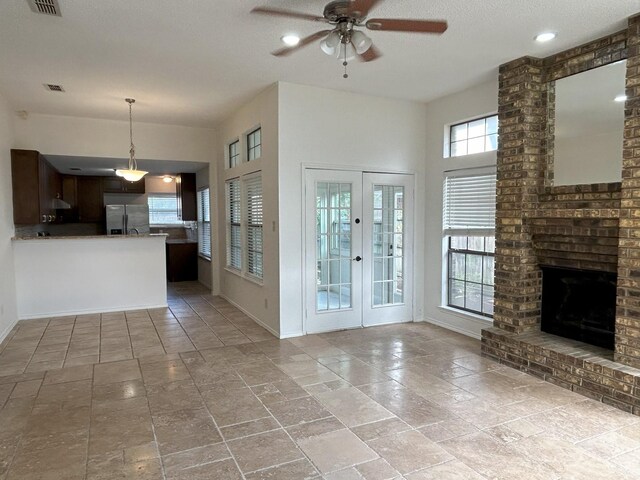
(579, 304)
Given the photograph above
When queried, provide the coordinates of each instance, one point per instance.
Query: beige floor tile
(173, 396)
(195, 457)
(249, 428)
(70, 374)
(377, 470)
(336, 450)
(380, 428)
(352, 407)
(264, 450)
(222, 470)
(409, 451)
(230, 407)
(113, 465)
(297, 470)
(29, 388)
(184, 429)
(116, 372)
(298, 411)
(315, 428)
(453, 470)
(119, 391)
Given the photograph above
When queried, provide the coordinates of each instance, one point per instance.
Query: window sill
(245, 276)
(204, 257)
(465, 314)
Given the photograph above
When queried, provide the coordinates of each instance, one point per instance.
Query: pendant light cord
(133, 164)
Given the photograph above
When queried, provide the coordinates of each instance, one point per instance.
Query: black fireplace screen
(579, 304)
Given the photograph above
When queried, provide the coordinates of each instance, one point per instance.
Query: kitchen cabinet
(120, 185)
(90, 201)
(84, 194)
(186, 194)
(182, 261)
(35, 186)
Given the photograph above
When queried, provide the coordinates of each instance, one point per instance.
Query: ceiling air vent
(47, 7)
(53, 88)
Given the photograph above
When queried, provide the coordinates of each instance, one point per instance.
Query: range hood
(59, 204)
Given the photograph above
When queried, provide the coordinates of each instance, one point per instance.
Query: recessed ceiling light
(545, 37)
(620, 98)
(291, 40)
(167, 179)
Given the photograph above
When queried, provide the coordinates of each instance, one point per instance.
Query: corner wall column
(522, 114)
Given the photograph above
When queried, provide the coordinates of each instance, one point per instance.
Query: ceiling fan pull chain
(345, 63)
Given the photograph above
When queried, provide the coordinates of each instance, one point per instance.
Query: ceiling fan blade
(274, 12)
(361, 8)
(303, 43)
(370, 55)
(399, 25)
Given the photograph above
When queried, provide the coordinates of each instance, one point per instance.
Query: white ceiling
(191, 62)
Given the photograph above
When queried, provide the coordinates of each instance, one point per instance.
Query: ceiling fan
(344, 40)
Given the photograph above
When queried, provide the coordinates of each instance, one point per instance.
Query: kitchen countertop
(92, 237)
(180, 241)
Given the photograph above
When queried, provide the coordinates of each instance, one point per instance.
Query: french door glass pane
(387, 237)
(333, 246)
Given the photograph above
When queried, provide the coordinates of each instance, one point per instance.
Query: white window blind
(163, 209)
(253, 192)
(469, 203)
(234, 235)
(204, 223)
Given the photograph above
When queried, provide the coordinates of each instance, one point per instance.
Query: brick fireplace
(593, 228)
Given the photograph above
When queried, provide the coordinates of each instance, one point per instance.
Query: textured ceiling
(191, 62)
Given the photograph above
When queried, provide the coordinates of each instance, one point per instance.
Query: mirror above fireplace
(589, 120)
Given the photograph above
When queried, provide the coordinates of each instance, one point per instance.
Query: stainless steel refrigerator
(127, 219)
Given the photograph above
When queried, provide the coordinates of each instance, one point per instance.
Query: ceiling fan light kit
(345, 40)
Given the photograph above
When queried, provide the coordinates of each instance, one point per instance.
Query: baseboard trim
(91, 311)
(453, 328)
(252, 317)
(5, 333)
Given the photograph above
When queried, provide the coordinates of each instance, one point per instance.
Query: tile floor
(198, 391)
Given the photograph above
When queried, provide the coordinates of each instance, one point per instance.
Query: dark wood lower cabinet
(182, 261)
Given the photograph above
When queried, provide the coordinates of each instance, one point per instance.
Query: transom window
(254, 144)
(234, 154)
(476, 136)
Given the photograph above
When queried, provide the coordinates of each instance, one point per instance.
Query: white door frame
(306, 168)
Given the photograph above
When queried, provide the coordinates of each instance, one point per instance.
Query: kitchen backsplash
(61, 230)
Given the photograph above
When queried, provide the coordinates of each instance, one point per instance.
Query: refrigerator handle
(126, 224)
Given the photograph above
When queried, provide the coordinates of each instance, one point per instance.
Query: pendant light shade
(132, 174)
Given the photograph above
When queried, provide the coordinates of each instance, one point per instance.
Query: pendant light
(132, 173)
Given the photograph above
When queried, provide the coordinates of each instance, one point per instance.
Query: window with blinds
(163, 209)
(253, 205)
(469, 204)
(469, 226)
(204, 223)
(234, 225)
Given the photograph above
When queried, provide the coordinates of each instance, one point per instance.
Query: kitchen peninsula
(57, 276)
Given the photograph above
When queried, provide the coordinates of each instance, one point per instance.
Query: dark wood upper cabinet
(90, 201)
(120, 185)
(186, 193)
(35, 185)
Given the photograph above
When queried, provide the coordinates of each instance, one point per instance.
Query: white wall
(8, 309)
(260, 301)
(596, 158)
(472, 103)
(339, 129)
(58, 276)
(91, 137)
(204, 266)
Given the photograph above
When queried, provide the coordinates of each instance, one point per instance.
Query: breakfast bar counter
(59, 276)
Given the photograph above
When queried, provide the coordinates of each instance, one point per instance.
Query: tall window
(254, 144)
(234, 154)
(204, 223)
(476, 136)
(234, 232)
(253, 195)
(469, 229)
(163, 209)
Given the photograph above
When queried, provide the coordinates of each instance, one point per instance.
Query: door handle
(358, 258)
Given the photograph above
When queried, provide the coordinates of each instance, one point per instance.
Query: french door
(359, 247)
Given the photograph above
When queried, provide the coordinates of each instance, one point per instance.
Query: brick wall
(584, 226)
